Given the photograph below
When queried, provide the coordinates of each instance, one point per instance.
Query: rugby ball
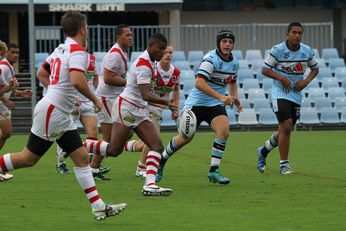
(187, 124)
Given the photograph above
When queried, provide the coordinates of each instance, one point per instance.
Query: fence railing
(193, 37)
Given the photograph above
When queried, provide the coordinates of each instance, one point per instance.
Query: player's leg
(219, 124)
(147, 132)
(4, 176)
(6, 129)
(264, 150)
(72, 143)
(36, 147)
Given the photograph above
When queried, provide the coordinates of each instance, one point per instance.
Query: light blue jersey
(218, 73)
(292, 65)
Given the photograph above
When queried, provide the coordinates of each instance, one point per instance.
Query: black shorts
(285, 109)
(207, 114)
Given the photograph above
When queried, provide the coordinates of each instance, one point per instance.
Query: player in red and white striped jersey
(130, 113)
(111, 83)
(52, 116)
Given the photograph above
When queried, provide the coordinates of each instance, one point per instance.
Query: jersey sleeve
(113, 62)
(312, 63)
(143, 75)
(2, 78)
(271, 60)
(78, 61)
(206, 68)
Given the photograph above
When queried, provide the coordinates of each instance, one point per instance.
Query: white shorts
(155, 114)
(129, 114)
(105, 115)
(49, 122)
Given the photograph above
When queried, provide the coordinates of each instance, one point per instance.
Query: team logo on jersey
(286, 55)
(174, 79)
(220, 65)
(303, 55)
(235, 66)
(165, 76)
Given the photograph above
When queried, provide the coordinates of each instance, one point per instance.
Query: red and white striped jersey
(163, 81)
(89, 75)
(141, 72)
(65, 58)
(6, 74)
(116, 61)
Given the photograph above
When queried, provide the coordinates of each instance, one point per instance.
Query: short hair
(157, 38)
(119, 31)
(12, 45)
(292, 24)
(3, 48)
(72, 22)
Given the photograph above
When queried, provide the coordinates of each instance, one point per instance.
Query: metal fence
(193, 37)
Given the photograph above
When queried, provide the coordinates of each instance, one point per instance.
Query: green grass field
(312, 199)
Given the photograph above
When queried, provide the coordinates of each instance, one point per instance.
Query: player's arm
(233, 92)
(43, 74)
(151, 97)
(95, 81)
(80, 83)
(8, 103)
(113, 78)
(175, 100)
(202, 85)
(286, 84)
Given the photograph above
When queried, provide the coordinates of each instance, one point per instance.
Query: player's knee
(157, 148)
(286, 127)
(114, 151)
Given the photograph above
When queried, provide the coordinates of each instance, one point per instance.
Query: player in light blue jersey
(286, 64)
(217, 72)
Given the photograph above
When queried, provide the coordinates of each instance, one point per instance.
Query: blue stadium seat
(195, 56)
(336, 92)
(186, 74)
(259, 104)
(340, 104)
(306, 103)
(321, 63)
(340, 73)
(134, 55)
(336, 62)
(40, 58)
(324, 72)
(195, 66)
(231, 116)
(247, 117)
(257, 64)
(328, 83)
(241, 94)
(314, 93)
(178, 56)
(309, 117)
(255, 94)
(329, 116)
(267, 117)
(188, 84)
(238, 54)
(252, 55)
(321, 103)
(167, 119)
(182, 65)
(243, 64)
(249, 84)
(244, 74)
(329, 53)
(343, 116)
(267, 84)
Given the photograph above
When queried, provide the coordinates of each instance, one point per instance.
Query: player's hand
(175, 114)
(77, 102)
(172, 107)
(13, 84)
(286, 84)
(301, 84)
(238, 104)
(98, 106)
(26, 94)
(227, 100)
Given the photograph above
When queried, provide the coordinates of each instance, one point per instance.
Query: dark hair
(157, 38)
(292, 24)
(72, 22)
(119, 31)
(12, 45)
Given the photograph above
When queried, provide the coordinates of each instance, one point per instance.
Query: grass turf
(312, 199)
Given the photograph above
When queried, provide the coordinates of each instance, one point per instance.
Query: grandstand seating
(238, 54)
(40, 58)
(252, 55)
(195, 56)
(317, 54)
(321, 62)
(329, 82)
(267, 117)
(178, 56)
(309, 116)
(249, 84)
(244, 74)
(336, 62)
(259, 104)
(134, 55)
(329, 116)
(243, 64)
(329, 53)
(182, 65)
(343, 116)
(166, 119)
(247, 117)
(321, 103)
(336, 92)
(324, 72)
